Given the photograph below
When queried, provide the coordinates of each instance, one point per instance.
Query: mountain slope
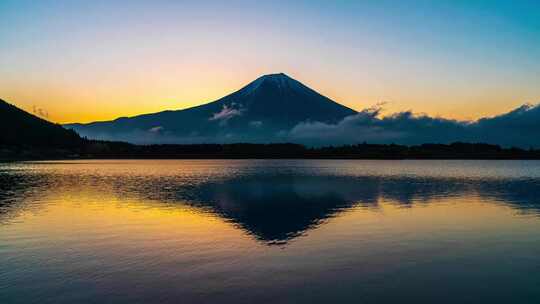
(20, 128)
(256, 113)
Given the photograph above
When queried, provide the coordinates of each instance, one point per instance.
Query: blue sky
(96, 60)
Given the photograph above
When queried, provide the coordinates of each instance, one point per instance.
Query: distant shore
(118, 150)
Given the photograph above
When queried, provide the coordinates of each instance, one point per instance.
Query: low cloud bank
(520, 128)
(517, 128)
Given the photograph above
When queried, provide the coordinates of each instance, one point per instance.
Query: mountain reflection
(272, 207)
(276, 209)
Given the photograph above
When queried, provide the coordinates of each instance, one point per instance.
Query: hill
(23, 133)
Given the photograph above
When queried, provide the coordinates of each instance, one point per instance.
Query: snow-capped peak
(280, 80)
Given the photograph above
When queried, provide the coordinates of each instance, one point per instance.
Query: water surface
(270, 231)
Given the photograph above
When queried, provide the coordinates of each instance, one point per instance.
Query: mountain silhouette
(256, 113)
(20, 128)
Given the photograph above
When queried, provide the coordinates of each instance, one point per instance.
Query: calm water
(275, 231)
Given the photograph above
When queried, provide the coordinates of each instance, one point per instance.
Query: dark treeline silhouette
(104, 149)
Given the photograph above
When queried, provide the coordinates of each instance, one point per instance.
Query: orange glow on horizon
(85, 103)
(125, 58)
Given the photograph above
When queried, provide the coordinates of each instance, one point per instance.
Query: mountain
(276, 108)
(22, 129)
(259, 112)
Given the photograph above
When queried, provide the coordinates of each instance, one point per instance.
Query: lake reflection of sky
(201, 230)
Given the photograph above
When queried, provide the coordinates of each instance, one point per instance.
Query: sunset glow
(85, 61)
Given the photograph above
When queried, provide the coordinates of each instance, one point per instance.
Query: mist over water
(295, 231)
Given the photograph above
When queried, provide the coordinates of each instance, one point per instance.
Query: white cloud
(226, 114)
(156, 129)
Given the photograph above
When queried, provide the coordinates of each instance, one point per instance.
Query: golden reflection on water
(265, 231)
(82, 215)
(120, 226)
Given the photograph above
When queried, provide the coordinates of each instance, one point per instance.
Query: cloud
(226, 114)
(157, 129)
(404, 128)
(519, 127)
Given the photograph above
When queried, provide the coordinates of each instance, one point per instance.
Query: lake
(270, 231)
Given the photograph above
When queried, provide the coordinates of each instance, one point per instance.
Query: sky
(82, 61)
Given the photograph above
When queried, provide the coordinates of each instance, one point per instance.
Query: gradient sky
(83, 61)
